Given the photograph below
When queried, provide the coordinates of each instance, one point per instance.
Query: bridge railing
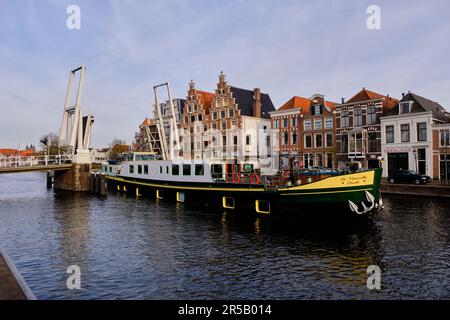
(34, 161)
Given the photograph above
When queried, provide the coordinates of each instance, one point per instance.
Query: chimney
(257, 102)
(403, 94)
(343, 100)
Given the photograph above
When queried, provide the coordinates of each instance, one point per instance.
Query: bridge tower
(75, 137)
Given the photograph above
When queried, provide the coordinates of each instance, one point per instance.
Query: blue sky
(286, 48)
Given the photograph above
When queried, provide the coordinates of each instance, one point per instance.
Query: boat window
(131, 169)
(216, 171)
(175, 169)
(167, 169)
(146, 169)
(110, 169)
(144, 157)
(160, 169)
(186, 169)
(199, 170)
(139, 169)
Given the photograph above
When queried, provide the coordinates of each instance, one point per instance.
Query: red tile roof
(365, 95)
(14, 152)
(9, 152)
(304, 103)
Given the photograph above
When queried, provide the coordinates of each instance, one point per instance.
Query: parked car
(407, 176)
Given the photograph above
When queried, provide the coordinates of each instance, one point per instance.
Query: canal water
(130, 248)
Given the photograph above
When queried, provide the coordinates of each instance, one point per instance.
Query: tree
(117, 147)
(50, 143)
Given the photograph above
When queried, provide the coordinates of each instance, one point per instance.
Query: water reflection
(130, 247)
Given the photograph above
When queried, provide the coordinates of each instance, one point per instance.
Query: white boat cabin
(146, 165)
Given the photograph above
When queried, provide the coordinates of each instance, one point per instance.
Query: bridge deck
(54, 167)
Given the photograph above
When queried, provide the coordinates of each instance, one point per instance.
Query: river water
(130, 248)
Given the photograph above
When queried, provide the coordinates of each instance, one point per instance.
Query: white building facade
(407, 143)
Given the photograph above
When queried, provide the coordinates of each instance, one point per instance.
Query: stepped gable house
(227, 124)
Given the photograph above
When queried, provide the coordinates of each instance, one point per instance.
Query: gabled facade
(231, 124)
(303, 132)
(358, 129)
(407, 135)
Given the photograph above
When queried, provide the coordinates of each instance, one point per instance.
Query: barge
(207, 182)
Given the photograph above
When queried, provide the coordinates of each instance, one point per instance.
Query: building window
(404, 128)
(389, 134)
(186, 169)
(345, 119)
(224, 125)
(285, 138)
(329, 140)
(199, 170)
(445, 138)
(356, 143)
(131, 169)
(294, 122)
(294, 137)
(373, 145)
(371, 117)
(247, 139)
(357, 118)
(200, 117)
(308, 160)
(192, 118)
(215, 115)
(344, 143)
(329, 160)
(175, 169)
(318, 124)
(285, 122)
(146, 169)
(231, 113)
(317, 109)
(319, 159)
(139, 169)
(329, 123)
(405, 107)
(275, 124)
(235, 140)
(224, 140)
(307, 125)
(308, 141)
(422, 131)
(318, 140)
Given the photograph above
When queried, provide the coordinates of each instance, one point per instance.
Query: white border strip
(23, 285)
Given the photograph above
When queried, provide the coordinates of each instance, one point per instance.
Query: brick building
(303, 132)
(231, 124)
(358, 129)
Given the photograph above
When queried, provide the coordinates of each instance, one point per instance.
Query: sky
(286, 48)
